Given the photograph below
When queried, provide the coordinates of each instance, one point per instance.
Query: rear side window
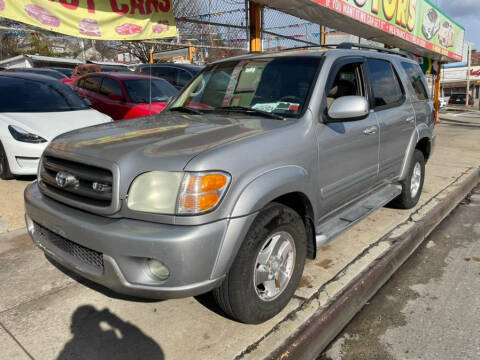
(415, 76)
(110, 87)
(183, 77)
(92, 83)
(386, 87)
(168, 73)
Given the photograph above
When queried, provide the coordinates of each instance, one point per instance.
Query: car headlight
(177, 193)
(24, 136)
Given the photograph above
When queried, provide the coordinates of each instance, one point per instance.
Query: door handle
(370, 131)
(410, 119)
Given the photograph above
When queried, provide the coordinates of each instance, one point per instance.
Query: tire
(407, 200)
(5, 173)
(238, 296)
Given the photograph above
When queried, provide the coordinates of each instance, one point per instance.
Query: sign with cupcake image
(96, 19)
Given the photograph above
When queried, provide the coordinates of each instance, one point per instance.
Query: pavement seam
(48, 293)
(16, 341)
(341, 273)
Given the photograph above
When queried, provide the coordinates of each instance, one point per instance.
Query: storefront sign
(96, 19)
(417, 21)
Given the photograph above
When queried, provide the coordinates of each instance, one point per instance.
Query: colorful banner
(96, 19)
(417, 21)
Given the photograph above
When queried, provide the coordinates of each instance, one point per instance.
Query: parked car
(93, 68)
(41, 71)
(460, 99)
(124, 96)
(34, 109)
(178, 75)
(68, 72)
(258, 162)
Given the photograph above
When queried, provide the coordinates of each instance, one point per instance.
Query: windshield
(273, 85)
(139, 90)
(20, 95)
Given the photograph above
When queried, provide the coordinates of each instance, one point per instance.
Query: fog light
(30, 225)
(158, 269)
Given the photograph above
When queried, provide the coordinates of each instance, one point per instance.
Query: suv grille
(83, 254)
(93, 185)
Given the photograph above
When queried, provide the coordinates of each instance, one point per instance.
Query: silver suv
(260, 160)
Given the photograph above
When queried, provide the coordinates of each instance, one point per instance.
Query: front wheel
(412, 186)
(5, 173)
(268, 267)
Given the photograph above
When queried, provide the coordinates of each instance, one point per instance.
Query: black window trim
(402, 87)
(335, 68)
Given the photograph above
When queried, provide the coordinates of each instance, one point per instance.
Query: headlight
(24, 136)
(178, 193)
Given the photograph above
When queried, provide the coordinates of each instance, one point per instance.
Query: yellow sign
(96, 19)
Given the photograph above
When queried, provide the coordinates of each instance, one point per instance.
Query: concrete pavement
(429, 309)
(47, 315)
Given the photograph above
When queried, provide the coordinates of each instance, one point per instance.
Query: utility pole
(469, 66)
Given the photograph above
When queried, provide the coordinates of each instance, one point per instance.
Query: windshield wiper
(186, 109)
(247, 110)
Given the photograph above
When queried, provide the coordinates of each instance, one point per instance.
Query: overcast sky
(467, 14)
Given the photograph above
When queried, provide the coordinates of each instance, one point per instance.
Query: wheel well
(425, 147)
(301, 204)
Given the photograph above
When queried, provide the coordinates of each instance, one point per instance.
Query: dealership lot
(47, 315)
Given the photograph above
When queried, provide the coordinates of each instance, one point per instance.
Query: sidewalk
(47, 314)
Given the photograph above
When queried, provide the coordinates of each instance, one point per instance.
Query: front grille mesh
(83, 254)
(94, 184)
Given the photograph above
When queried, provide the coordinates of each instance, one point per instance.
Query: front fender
(254, 197)
(421, 131)
(269, 186)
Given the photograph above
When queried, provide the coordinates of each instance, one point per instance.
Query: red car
(124, 96)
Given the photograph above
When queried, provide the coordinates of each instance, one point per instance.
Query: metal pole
(323, 35)
(255, 24)
(469, 66)
(438, 80)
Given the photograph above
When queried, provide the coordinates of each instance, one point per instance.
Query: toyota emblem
(66, 180)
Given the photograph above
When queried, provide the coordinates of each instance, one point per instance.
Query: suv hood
(166, 141)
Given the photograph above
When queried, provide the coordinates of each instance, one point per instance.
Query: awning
(417, 26)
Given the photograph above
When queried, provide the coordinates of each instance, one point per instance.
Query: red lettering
(123, 10)
(91, 6)
(148, 6)
(164, 5)
(137, 5)
(70, 4)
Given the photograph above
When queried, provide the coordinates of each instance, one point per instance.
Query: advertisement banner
(417, 21)
(96, 19)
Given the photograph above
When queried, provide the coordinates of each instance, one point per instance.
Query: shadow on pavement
(103, 335)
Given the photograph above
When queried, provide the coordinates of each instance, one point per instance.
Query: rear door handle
(370, 130)
(410, 119)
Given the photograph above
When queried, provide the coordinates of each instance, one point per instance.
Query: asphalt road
(430, 309)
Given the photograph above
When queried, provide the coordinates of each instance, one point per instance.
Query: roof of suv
(320, 52)
(30, 77)
(190, 67)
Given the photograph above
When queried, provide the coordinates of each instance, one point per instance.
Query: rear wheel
(412, 186)
(268, 267)
(5, 173)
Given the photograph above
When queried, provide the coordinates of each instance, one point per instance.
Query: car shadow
(100, 334)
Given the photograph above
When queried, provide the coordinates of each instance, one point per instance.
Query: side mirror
(115, 97)
(348, 108)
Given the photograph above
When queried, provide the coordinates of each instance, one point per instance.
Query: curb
(314, 335)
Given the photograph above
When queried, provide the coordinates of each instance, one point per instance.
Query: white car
(34, 109)
(443, 102)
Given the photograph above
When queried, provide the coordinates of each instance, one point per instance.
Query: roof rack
(349, 46)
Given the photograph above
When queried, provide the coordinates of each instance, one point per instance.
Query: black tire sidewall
(245, 303)
(5, 173)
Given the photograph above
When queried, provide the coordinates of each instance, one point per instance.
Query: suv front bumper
(114, 252)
